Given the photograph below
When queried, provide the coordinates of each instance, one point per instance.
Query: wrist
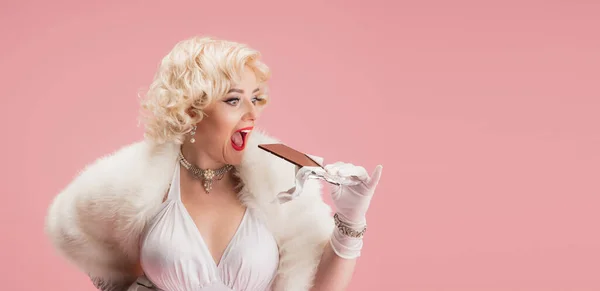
(351, 228)
(353, 220)
(347, 237)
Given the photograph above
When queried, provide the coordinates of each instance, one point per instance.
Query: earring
(192, 139)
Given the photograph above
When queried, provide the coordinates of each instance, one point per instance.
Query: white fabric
(352, 198)
(305, 173)
(351, 202)
(96, 220)
(175, 257)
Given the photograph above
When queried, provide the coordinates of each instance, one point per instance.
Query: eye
(233, 101)
(257, 99)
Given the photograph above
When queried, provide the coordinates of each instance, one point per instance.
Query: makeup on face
(240, 137)
(225, 131)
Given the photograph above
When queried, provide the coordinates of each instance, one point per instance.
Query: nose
(251, 112)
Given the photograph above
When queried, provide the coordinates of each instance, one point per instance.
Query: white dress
(175, 257)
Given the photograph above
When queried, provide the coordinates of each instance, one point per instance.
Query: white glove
(353, 196)
(351, 199)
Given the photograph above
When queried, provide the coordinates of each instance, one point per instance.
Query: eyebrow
(241, 91)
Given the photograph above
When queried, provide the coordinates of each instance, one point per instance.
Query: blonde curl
(190, 77)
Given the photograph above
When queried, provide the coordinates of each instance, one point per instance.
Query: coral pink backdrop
(485, 115)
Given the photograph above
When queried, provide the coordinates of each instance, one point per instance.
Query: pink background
(492, 182)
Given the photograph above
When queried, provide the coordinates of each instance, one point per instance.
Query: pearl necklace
(207, 176)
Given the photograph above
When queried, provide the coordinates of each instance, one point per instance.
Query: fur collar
(96, 221)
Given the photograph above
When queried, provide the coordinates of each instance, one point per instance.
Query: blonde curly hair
(190, 77)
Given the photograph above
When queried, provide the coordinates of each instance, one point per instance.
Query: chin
(234, 161)
(233, 157)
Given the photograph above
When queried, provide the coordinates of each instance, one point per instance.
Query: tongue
(237, 139)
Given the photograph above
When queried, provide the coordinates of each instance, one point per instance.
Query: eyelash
(230, 100)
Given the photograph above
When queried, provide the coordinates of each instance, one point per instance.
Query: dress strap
(174, 188)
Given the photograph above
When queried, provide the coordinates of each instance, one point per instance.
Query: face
(223, 132)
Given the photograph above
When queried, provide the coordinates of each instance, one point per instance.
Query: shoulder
(123, 170)
(98, 215)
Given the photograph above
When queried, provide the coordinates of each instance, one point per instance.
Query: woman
(193, 206)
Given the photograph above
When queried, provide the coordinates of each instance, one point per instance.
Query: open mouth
(239, 138)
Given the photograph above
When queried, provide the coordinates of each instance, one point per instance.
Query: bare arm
(339, 257)
(334, 272)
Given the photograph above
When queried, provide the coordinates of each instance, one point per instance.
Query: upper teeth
(245, 131)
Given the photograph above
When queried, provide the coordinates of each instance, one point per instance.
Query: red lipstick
(244, 135)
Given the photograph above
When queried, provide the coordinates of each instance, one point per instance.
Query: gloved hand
(351, 199)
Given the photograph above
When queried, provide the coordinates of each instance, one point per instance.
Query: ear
(190, 112)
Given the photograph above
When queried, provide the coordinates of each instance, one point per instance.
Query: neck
(199, 158)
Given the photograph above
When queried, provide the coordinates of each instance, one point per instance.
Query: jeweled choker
(206, 176)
